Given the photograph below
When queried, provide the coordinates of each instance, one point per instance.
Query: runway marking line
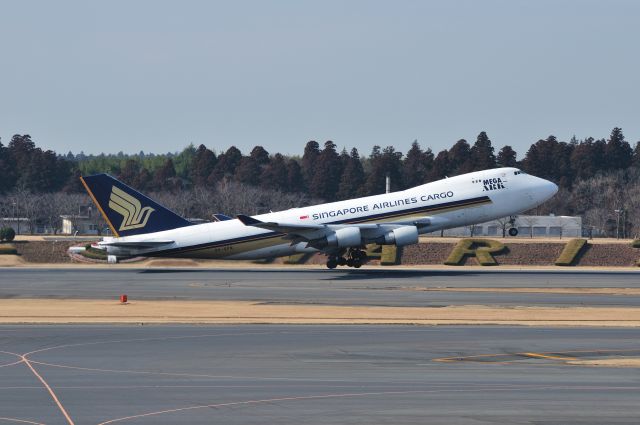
(11, 354)
(294, 398)
(23, 359)
(557, 355)
(345, 395)
(10, 364)
(51, 392)
(187, 375)
(22, 421)
(547, 356)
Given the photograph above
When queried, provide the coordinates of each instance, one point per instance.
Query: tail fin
(127, 211)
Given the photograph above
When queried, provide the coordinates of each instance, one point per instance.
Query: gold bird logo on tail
(133, 215)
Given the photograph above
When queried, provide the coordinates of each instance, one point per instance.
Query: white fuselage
(452, 202)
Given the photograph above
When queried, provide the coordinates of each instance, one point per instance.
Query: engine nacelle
(400, 236)
(344, 238)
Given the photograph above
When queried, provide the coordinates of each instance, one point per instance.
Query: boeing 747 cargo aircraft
(141, 227)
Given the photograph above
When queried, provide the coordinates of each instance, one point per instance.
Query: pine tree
(225, 166)
(260, 155)
(599, 147)
(164, 176)
(327, 174)
(21, 149)
(309, 161)
(460, 158)
(441, 167)
(507, 157)
(584, 162)
(203, 164)
(389, 162)
(183, 162)
(295, 182)
(414, 170)
(618, 153)
(353, 178)
(129, 173)
(7, 170)
(144, 180)
(232, 156)
(636, 155)
(274, 175)
(73, 183)
(248, 171)
(550, 159)
(482, 153)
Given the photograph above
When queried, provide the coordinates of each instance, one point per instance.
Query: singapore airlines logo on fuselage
(133, 215)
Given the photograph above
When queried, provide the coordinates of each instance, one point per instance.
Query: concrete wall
(543, 226)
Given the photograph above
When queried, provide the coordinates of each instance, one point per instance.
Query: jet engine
(345, 237)
(405, 235)
(341, 238)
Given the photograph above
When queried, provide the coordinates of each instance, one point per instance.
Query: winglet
(248, 221)
(221, 217)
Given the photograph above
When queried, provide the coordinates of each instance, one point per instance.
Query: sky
(156, 75)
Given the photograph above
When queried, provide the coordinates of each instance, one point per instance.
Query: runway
(340, 287)
(315, 375)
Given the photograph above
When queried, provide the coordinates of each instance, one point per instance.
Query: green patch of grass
(390, 255)
(94, 254)
(571, 252)
(298, 258)
(481, 249)
(8, 249)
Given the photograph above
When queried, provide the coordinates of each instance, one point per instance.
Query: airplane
(142, 227)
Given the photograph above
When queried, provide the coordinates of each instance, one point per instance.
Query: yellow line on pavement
(546, 356)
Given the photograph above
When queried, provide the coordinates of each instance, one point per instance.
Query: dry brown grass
(585, 291)
(618, 362)
(105, 311)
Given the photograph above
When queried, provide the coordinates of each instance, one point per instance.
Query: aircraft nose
(548, 188)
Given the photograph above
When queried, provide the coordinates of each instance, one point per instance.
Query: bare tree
(529, 221)
(504, 223)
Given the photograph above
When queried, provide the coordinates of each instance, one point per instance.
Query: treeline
(323, 172)
(196, 181)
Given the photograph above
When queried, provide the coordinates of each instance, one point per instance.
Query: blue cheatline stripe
(270, 235)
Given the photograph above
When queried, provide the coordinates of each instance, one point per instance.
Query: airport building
(18, 224)
(528, 226)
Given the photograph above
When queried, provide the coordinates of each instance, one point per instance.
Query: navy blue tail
(127, 211)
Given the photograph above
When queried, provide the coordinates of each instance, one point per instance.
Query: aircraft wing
(297, 230)
(279, 227)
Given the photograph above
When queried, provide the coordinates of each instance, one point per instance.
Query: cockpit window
(515, 173)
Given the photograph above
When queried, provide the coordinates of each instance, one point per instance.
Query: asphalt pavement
(314, 375)
(338, 287)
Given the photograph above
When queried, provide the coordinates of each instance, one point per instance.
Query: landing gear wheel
(350, 262)
(357, 263)
(332, 263)
(513, 232)
(342, 261)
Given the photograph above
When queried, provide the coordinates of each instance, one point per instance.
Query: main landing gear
(355, 258)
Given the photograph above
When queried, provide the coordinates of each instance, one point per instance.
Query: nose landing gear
(355, 258)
